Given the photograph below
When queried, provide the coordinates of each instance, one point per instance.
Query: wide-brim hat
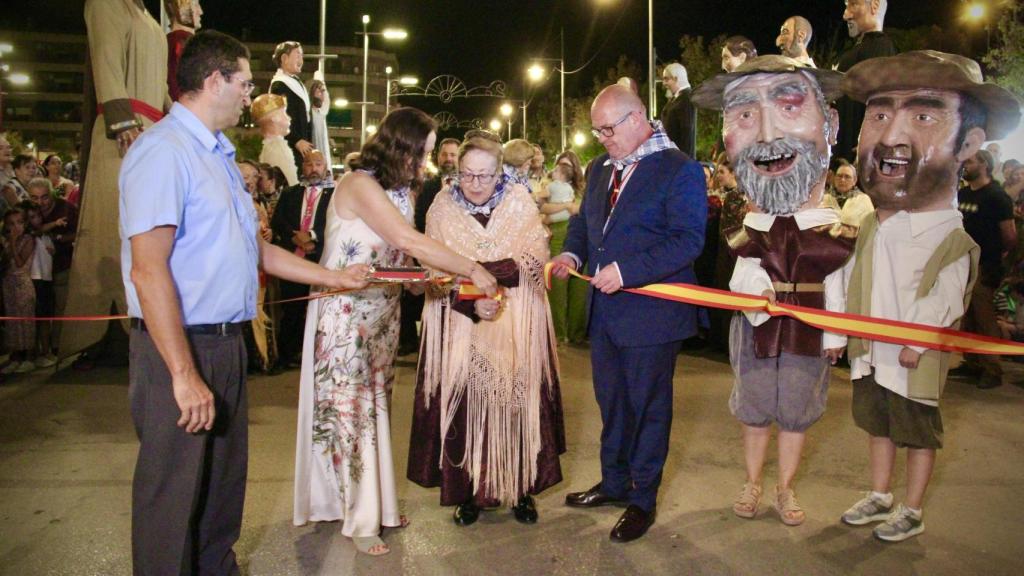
(264, 104)
(939, 71)
(710, 94)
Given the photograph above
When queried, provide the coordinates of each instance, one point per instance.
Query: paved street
(67, 451)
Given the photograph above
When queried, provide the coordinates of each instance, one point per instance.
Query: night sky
(480, 40)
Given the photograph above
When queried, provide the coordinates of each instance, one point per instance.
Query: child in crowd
(561, 192)
(19, 294)
(1011, 321)
(41, 272)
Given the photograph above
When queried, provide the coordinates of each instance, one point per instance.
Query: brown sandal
(746, 503)
(789, 511)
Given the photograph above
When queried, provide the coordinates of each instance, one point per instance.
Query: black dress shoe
(633, 524)
(591, 498)
(965, 371)
(466, 513)
(525, 510)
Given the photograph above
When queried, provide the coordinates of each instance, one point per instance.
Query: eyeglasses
(608, 131)
(247, 85)
(484, 179)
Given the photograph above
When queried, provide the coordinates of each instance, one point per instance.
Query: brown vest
(791, 255)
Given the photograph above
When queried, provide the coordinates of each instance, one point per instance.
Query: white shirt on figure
(903, 244)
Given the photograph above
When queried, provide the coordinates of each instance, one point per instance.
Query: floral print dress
(343, 464)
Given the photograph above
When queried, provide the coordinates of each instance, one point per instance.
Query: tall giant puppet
(128, 60)
(778, 129)
(927, 112)
(186, 16)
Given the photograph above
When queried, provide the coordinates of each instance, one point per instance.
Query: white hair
(677, 71)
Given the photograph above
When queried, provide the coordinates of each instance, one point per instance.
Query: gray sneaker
(900, 525)
(868, 509)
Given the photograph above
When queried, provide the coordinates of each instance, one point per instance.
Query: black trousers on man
(188, 490)
(292, 326)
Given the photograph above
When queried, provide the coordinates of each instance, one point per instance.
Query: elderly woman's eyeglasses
(608, 131)
(483, 179)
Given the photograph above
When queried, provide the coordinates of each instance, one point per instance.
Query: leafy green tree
(1006, 59)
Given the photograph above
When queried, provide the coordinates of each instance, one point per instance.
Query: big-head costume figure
(778, 129)
(927, 112)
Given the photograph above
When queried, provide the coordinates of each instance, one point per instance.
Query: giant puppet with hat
(778, 129)
(927, 113)
(269, 112)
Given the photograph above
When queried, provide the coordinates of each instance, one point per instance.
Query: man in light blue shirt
(190, 254)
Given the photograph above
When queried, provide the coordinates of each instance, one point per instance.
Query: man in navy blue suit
(642, 221)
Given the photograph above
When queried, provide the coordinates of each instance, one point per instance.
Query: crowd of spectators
(38, 205)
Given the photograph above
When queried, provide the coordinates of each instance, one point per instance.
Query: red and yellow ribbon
(867, 327)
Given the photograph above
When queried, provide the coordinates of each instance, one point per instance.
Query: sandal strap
(750, 496)
(785, 501)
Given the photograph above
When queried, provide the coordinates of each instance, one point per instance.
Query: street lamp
(536, 73)
(506, 111)
(495, 125)
(340, 102)
(408, 80)
(978, 12)
(579, 139)
(388, 34)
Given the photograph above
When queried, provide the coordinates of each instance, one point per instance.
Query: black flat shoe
(633, 524)
(525, 510)
(466, 513)
(591, 498)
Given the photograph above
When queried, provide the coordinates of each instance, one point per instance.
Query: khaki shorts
(884, 413)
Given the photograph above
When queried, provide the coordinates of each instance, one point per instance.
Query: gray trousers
(188, 489)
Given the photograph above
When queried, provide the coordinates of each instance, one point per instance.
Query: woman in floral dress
(343, 466)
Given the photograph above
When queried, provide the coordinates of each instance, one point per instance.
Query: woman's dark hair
(741, 45)
(14, 211)
(22, 159)
(207, 52)
(316, 101)
(578, 182)
(395, 151)
(280, 179)
(27, 206)
(283, 49)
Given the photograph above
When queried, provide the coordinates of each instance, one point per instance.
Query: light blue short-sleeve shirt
(180, 174)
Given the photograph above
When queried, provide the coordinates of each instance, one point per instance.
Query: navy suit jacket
(654, 234)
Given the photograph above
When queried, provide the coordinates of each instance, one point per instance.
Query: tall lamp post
(652, 99)
(536, 73)
(506, 112)
(387, 97)
(388, 34)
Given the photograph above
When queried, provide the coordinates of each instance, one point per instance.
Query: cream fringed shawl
(498, 368)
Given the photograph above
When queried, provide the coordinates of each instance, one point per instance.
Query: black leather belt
(222, 329)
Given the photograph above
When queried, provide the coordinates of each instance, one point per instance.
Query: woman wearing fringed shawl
(487, 422)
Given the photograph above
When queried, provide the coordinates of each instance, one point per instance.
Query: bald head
(620, 119)
(619, 99)
(794, 37)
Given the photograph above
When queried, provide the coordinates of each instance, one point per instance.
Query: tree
(1006, 59)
